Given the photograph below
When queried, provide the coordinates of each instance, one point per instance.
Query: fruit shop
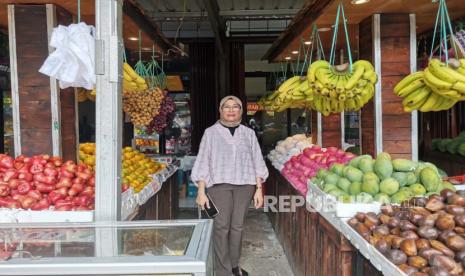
(394, 207)
(93, 151)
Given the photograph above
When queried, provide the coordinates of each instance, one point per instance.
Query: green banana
(407, 80)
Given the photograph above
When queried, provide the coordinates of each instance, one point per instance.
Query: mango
(383, 168)
(337, 169)
(366, 164)
(389, 186)
(430, 179)
(370, 183)
(411, 178)
(417, 189)
(355, 188)
(382, 198)
(346, 199)
(331, 178)
(384, 155)
(344, 184)
(321, 173)
(399, 197)
(448, 185)
(329, 187)
(401, 177)
(336, 192)
(353, 174)
(404, 165)
(355, 161)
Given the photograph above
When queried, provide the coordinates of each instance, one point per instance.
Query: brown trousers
(233, 202)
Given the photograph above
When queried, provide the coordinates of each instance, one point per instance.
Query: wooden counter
(311, 244)
(164, 204)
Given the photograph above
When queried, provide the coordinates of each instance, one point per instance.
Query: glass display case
(178, 247)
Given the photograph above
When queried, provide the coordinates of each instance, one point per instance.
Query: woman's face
(231, 111)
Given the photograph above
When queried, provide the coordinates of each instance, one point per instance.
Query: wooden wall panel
(331, 130)
(69, 135)
(367, 113)
(34, 87)
(395, 64)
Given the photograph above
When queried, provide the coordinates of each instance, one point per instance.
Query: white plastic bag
(72, 62)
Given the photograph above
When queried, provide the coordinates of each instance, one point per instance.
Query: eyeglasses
(232, 107)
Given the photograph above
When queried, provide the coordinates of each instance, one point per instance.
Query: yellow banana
(447, 104)
(432, 80)
(325, 91)
(459, 86)
(412, 86)
(273, 95)
(357, 74)
(303, 85)
(126, 77)
(406, 81)
(430, 102)
(349, 94)
(140, 80)
(416, 96)
(438, 105)
(340, 84)
(128, 69)
(350, 104)
(332, 94)
(311, 74)
(441, 71)
(289, 83)
(322, 75)
(367, 66)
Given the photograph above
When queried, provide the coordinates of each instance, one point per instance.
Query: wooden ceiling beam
(309, 13)
(217, 23)
(152, 29)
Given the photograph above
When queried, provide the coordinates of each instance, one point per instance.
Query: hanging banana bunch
(336, 89)
(439, 86)
(131, 80)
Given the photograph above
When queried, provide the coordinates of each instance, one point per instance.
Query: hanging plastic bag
(72, 62)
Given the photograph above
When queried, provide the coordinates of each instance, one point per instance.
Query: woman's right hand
(202, 200)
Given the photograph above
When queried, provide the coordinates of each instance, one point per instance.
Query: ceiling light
(288, 58)
(358, 2)
(133, 38)
(295, 52)
(307, 42)
(324, 29)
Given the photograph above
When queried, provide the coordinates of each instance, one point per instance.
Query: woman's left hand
(258, 199)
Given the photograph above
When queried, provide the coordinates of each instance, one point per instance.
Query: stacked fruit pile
(438, 87)
(41, 181)
(164, 117)
(453, 146)
(302, 167)
(142, 105)
(293, 93)
(383, 180)
(423, 237)
(137, 168)
(336, 89)
(131, 80)
(87, 154)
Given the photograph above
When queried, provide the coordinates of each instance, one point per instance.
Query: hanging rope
(444, 24)
(332, 58)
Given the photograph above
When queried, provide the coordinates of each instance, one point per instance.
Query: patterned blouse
(224, 158)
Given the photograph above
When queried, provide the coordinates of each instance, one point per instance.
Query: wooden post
(387, 40)
(37, 108)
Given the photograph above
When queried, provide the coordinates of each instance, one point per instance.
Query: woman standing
(230, 168)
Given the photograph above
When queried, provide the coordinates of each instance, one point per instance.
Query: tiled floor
(262, 254)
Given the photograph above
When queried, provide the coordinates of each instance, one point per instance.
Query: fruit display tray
(378, 260)
(328, 205)
(28, 216)
(129, 204)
